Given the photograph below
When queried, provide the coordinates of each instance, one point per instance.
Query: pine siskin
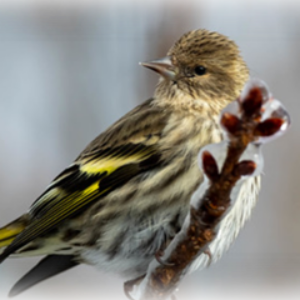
(125, 197)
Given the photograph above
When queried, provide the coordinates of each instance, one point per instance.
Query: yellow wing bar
(77, 188)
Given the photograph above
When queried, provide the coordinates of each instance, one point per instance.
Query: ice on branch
(272, 121)
(247, 123)
(274, 110)
(251, 163)
(256, 99)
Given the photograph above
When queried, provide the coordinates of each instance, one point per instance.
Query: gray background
(66, 73)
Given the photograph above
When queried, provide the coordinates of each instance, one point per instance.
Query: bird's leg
(128, 285)
(158, 256)
(208, 253)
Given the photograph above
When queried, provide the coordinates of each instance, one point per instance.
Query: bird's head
(201, 66)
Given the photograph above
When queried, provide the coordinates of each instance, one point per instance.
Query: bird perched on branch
(126, 195)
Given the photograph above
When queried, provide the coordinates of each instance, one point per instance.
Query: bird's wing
(125, 150)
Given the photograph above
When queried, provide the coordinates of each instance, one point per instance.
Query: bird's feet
(208, 253)
(158, 256)
(129, 285)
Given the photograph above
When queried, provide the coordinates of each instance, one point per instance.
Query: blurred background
(69, 70)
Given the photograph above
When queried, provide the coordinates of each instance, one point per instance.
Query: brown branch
(195, 236)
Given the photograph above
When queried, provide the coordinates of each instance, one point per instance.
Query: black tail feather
(46, 268)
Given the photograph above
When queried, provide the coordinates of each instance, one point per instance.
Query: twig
(246, 126)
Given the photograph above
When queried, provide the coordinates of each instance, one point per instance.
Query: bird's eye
(200, 70)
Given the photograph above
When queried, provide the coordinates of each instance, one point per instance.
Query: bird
(126, 195)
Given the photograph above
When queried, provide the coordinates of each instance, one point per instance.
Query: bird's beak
(162, 66)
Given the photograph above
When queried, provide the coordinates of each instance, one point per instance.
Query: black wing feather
(49, 266)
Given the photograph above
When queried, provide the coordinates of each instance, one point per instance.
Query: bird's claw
(158, 256)
(128, 286)
(208, 253)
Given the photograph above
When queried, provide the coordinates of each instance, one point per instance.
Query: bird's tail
(9, 232)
